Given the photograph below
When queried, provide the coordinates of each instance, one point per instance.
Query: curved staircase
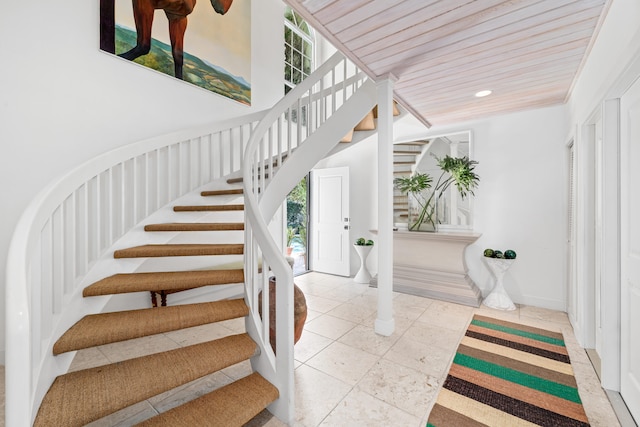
(81, 266)
(83, 396)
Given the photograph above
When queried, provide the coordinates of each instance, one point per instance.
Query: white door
(630, 248)
(330, 221)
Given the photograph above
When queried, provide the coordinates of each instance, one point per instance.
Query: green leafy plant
(458, 171)
(291, 236)
(363, 242)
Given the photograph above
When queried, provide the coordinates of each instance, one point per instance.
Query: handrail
(54, 243)
(268, 163)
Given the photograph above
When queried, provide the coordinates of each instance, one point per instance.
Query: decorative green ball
(369, 243)
(488, 253)
(509, 254)
(498, 254)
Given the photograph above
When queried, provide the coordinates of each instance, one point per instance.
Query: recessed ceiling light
(483, 93)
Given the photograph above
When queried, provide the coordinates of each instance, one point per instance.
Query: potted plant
(363, 247)
(455, 170)
(291, 235)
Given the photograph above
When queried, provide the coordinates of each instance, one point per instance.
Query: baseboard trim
(620, 409)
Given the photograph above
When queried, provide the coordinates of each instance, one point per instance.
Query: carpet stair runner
(83, 396)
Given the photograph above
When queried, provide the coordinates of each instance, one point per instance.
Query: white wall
(63, 101)
(520, 204)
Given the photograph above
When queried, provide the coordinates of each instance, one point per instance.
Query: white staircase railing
(74, 221)
(299, 131)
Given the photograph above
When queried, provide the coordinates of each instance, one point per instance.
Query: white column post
(385, 324)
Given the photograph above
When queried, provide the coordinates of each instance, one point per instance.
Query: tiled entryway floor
(346, 374)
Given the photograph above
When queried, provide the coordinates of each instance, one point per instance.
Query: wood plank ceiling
(528, 52)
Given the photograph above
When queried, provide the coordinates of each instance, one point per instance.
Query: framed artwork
(207, 44)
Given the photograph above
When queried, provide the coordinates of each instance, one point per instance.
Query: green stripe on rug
(545, 386)
(518, 332)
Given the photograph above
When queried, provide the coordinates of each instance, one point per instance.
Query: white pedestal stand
(498, 298)
(363, 275)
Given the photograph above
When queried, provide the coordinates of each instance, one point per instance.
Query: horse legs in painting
(143, 16)
(176, 11)
(177, 27)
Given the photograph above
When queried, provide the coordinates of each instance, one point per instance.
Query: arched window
(298, 49)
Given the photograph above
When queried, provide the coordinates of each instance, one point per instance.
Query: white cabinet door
(630, 249)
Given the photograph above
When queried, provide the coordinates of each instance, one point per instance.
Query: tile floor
(345, 374)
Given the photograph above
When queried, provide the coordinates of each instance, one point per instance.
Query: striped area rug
(507, 375)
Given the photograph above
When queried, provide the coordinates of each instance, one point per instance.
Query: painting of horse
(198, 54)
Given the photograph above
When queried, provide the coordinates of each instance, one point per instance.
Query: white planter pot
(363, 275)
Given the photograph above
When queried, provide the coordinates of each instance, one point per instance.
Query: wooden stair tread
(396, 111)
(232, 405)
(348, 137)
(209, 208)
(180, 250)
(222, 192)
(234, 180)
(406, 152)
(414, 143)
(195, 226)
(105, 328)
(79, 397)
(367, 123)
(162, 281)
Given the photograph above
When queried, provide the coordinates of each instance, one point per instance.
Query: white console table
(433, 265)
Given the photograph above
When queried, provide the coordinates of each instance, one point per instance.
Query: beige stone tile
(420, 356)
(545, 314)
(312, 314)
(401, 323)
(365, 338)
(403, 299)
(321, 304)
(309, 345)
(365, 299)
(317, 289)
(362, 409)
(407, 311)
(402, 387)
(594, 399)
(345, 293)
(353, 312)
(316, 395)
(446, 340)
(329, 326)
(346, 363)
(447, 316)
